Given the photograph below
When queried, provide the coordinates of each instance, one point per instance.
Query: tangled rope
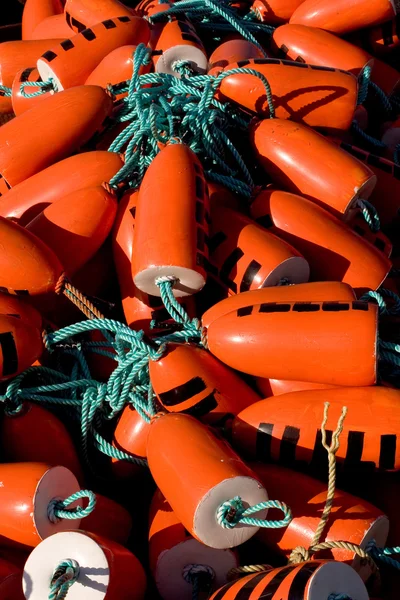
(65, 575)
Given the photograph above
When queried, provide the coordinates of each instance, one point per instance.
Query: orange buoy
(29, 267)
(313, 95)
(286, 428)
(178, 40)
(274, 11)
(340, 181)
(15, 56)
(322, 342)
(10, 581)
(81, 14)
(384, 38)
(173, 551)
(311, 580)
(277, 387)
(21, 344)
(333, 250)
(35, 11)
(232, 51)
(351, 519)
(220, 195)
(189, 380)
(76, 226)
(302, 292)
(107, 569)
(70, 62)
(173, 197)
(317, 47)
(109, 520)
(21, 103)
(385, 196)
(30, 197)
(57, 126)
(247, 257)
(12, 306)
(115, 68)
(34, 434)
(130, 436)
(187, 461)
(386, 77)
(146, 7)
(27, 490)
(52, 27)
(343, 17)
(140, 309)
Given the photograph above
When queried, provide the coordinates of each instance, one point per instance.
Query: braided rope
(370, 215)
(200, 576)
(65, 574)
(248, 570)
(232, 512)
(58, 509)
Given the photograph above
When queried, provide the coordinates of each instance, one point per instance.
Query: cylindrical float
(71, 119)
(81, 14)
(21, 103)
(340, 181)
(52, 27)
(174, 195)
(313, 95)
(106, 570)
(130, 436)
(277, 387)
(35, 11)
(188, 379)
(70, 62)
(274, 11)
(109, 520)
(322, 342)
(187, 461)
(352, 519)
(178, 41)
(332, 249)
(232, 51)
(17, 55)
(172, 552)
(313, 580)
(287, 428)
(76, 226)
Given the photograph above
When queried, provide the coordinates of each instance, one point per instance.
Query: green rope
(5, 91)
(363, 84)
(383, 555)
(201, 578)
(368, 139)
(232, 512)
(58, 509)
(339, 597)
(382, 97)
(45, 86)
(379, 298)
(370, 215)
(65, 575)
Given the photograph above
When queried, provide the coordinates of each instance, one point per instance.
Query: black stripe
(154, 301)
(160, 315)
(271, 307)
(335, 306)
(321, 68)
(290, 438)
(354, 151)
(197, 168)
(124, 19)
(248, 278)
(199, 212)
(21, 292)
(184, 26)
(25, 74)
(300, 59)
(49, 55)
(263, 441)
(157, 52)
(133, 211)
(245, 592)
(355, 446)
(387, 33)
(387, 455)
(319, 458)
(283, 50)
(380, 244)
(79, 26)
(10, 356)
(396, 171)
(221, 592)
(202, 408)
(200, 239)
(244, 311)
(67, 45)
(13, 315)
(269, 61)
(273, 585)
(190, 37)
(216, 240)
(68, 19)
(229, 265)
(300, 580)
(377, 161)
(4, 290)
(109, 24)
(88, 34)
(358, 305)
(242, 63)
(305, 307)
(183, 392)
(359, 230)
(265, 221)
(209, 267)
(199, 188)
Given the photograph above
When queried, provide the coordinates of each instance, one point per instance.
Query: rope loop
(5, 92)
(58, 509)
(65, 575)
(232, 512)
(44, 86)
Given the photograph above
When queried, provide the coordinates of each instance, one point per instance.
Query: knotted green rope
(44, 86)
(65, 575)
(58, 509)
(232, 512)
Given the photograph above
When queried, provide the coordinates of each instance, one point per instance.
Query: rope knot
(58, 508)
(65, 574)
(299, 555)
(227, 512)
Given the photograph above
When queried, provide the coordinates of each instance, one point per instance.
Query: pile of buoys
(200, 301)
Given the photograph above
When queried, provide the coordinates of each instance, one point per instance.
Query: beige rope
(247, 570)
(63, 286)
